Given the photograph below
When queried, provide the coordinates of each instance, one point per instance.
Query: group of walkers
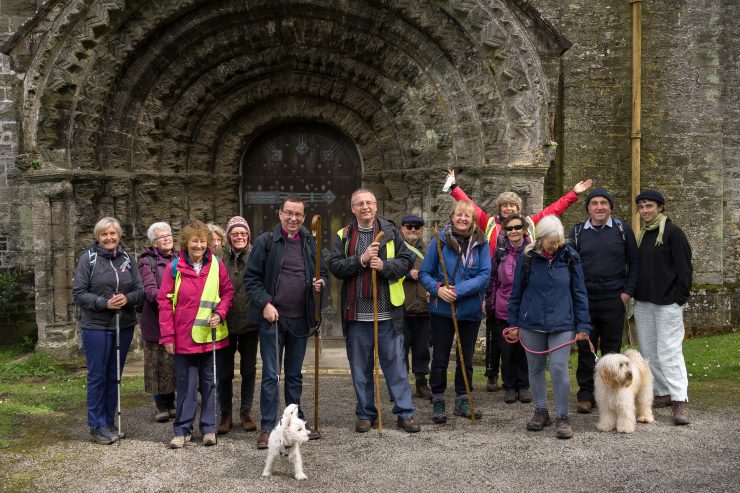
(219, 293)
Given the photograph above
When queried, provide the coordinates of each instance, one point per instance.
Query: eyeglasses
(366, 203)
(516, 227)
(296, 215)
(413, 226)
(237, 234)
(163, 237)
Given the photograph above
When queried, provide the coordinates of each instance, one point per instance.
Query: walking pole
(215, 381)
(316, 231)
(277, 367)
(457, 332)
(118, 370)
(374, 277)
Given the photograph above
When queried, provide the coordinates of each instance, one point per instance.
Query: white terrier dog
(623, 388)
(286, 439)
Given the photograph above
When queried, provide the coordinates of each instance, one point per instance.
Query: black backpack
(579, 228)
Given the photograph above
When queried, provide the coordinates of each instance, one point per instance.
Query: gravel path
(498, 454)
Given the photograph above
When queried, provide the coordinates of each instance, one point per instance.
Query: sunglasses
(517, 227)
(412, 226)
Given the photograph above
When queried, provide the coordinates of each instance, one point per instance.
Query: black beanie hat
(599, 192)
(653, 195)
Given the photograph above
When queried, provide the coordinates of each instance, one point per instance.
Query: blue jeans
(292, 351)
(360, 352)
(194, 372)
(100, 353)
(540, 341)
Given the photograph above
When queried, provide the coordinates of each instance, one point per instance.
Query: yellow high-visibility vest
(395, 287)
(209, 300)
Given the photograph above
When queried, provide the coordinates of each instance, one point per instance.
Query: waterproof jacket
(415, 301)
(236, 263)
(262, 274)
(551, 301)
(502, 279)
(149, 321)
(97, 278)
(177, 327)
(468, 272)
(556, 208)
(346, 267)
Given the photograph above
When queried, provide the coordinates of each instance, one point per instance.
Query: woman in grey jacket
(106, 286)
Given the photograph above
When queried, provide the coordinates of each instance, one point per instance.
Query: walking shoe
(172, 411)
(661, 401)
(540, 419)
(118, 435)
(524, 396)
(423, 390)
(492, 384)
(162, 415)
(408, 425)
(263, 439)
(247, 420)
(462, 408)
(562, 427)
(209, 439)
(439, 412)
(102, 435)
(584, 407)
(363, 425)
(179, 441)
(680, 413)
(226, 423)
(313, 434)
(509, 396)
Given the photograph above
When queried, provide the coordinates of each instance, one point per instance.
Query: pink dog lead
(519, 340)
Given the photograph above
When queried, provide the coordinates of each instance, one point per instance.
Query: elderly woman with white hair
(547, 308)
(159, 366)
(106, 288)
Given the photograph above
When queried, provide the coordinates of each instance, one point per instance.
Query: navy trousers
(246, 344)
(194, 373)
(443, 333)
(416, 334)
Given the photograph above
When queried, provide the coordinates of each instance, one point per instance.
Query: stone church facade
(178, 109)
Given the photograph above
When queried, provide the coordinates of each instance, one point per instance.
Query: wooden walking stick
(374, 277)
(457, 332)
(316, 231)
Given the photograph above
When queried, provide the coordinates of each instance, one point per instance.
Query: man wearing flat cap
(416, 330)
(663, 288)
(611, 265)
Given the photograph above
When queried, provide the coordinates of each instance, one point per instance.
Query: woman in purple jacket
(514, 372)
(159, 366)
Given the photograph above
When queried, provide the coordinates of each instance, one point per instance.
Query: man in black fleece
(610, 266)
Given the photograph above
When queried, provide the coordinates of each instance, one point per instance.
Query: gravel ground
(497, 454)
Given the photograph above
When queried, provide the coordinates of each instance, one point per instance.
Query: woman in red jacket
(194, 298)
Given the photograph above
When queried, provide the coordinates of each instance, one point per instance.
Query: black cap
(653, 195)
(411, 219)
(599, 192)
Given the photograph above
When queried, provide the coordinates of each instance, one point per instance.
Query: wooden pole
(374, 275)
(636, 106)
(316, 230)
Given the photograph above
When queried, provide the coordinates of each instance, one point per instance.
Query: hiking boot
(524, 396)
(439, 412)
(584, 407)
(118, 435)
(562, 427)
(172, 411)
(179, 441)
(209, 439)
(680, 413)
(509, 396)
(363, 425)
(408, 425)
(162, 415)
(102, 435)
(226, 423)
(423, 390)
(540, 419)
(313, 434)
(462, 408)
(662, 401)
(263, 439)
(247, 420)
(492, 384)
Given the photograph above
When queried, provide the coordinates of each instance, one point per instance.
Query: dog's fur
(623, 391)
(286, 439)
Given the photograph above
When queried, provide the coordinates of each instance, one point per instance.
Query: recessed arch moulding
(143, 109)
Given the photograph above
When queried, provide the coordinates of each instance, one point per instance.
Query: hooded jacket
(149, 321)
(551, 301)
(468, 272)
(177, 327)
(502, 279)
(98, 277)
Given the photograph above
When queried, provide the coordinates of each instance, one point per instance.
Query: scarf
(658, 222)
(366, 277)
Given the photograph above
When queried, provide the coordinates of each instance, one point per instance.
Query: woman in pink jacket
(192, 307)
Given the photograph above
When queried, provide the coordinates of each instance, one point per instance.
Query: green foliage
(10, 289)
(712, 358)
(37, 365)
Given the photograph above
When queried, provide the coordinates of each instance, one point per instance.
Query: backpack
(528, 266)
(579, 228)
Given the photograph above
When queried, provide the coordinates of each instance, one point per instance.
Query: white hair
(548, 227)
(150, 233)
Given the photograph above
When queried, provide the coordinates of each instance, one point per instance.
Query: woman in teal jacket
(467, 259)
